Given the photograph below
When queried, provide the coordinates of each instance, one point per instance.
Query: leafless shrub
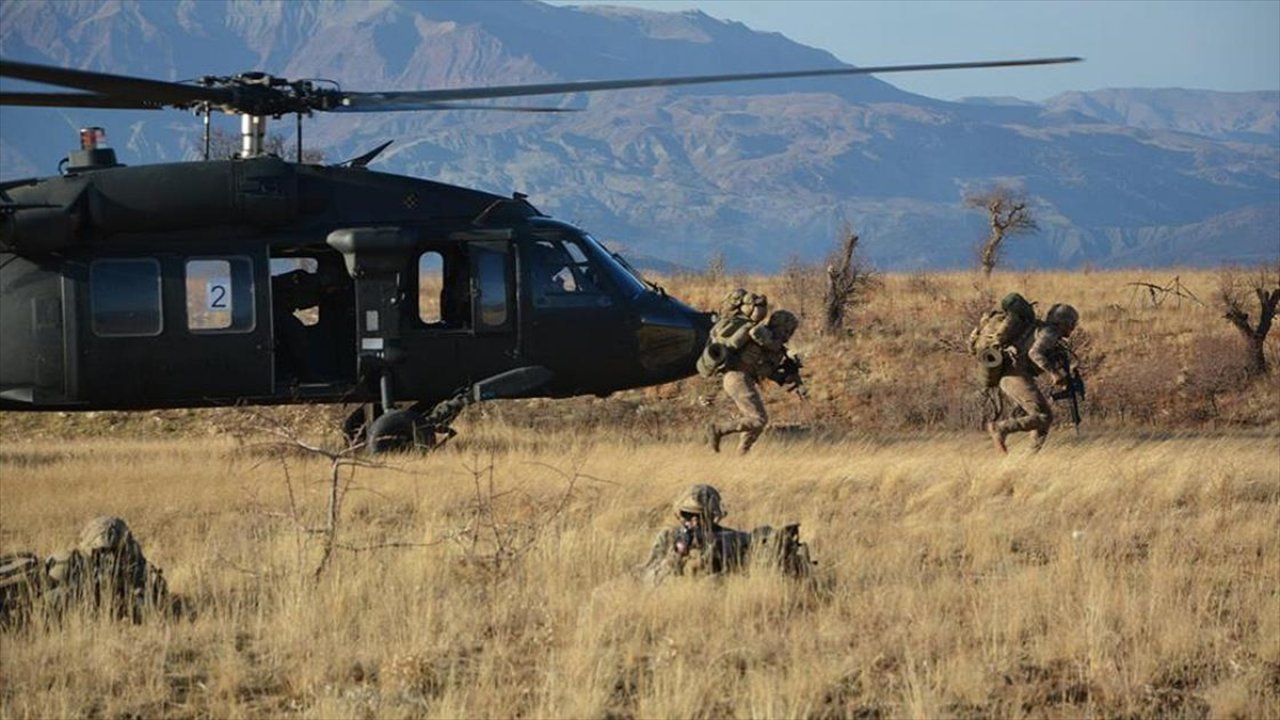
(717, 268)
(848, 282)
(1207, 374)
(802, 282)
(502, 525)
(1152, 295)
(286, 444)
(1135, 392)
(1264, 285)
(921, 282)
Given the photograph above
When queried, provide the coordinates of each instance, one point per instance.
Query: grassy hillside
(902, 367)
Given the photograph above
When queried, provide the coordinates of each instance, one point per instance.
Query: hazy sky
(1220, 45)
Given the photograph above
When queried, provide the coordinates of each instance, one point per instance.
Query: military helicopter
(159, 286)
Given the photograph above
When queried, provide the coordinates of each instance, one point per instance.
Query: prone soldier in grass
(700, 546)
(106, 570)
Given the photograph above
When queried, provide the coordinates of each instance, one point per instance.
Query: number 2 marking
(218, 297)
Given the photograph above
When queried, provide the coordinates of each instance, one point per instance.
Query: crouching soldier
(105, 570)
(699, 545)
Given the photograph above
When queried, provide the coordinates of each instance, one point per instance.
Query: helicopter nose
(669, 339)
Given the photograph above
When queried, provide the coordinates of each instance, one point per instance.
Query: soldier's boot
(997, 437)
(1037, 441)
(713, 437)
(749, 438)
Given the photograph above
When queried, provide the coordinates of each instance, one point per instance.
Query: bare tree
(1233, 290)
(1008, 213)
(847, 283)
(1155, 295)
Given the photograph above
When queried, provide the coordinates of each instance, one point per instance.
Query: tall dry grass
(1133, 576)
(1132, 571)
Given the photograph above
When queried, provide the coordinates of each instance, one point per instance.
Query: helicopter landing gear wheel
(398, 431)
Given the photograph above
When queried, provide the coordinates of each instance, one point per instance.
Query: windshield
(627, 277)
(634, 272)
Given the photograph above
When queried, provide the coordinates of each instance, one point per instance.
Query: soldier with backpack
(1013, 348)
(745, 348)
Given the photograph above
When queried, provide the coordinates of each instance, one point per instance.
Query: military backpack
(998, 330)
(740, 311)
(781, 550)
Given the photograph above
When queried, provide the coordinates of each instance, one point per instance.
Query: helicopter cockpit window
(220, 295)
(562, 275)
(125, 297)
(444, 288)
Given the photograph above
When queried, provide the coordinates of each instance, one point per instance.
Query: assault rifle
(688, 539)
(1074, 390)
(787, 374)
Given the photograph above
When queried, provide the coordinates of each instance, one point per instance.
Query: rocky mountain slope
(761, 172)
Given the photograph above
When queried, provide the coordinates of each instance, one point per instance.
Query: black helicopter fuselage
(261, 281)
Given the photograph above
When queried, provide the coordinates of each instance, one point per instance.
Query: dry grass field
(1132, 571)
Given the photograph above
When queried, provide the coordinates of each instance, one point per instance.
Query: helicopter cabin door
(175, 330)
(462, 328)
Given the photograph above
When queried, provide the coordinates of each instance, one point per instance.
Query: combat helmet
(700, 500)
(106, 533)
(784, 324)
(1062, 315)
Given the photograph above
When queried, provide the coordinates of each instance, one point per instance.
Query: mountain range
(759, 173)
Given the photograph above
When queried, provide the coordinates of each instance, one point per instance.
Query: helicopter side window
(490, 262)
(562, 275)
(220, 295)
(125, 297)
(444, 288)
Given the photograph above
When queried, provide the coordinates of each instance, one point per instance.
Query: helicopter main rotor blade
(260, 94)
(425, 99)
(155, 92)
(394, 107)
(88, 100)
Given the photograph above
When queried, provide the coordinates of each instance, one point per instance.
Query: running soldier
(753, 353)
(1038, 351)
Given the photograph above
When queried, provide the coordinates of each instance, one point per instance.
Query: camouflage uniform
(700, 546)
(106, 569)
(759, 351)
(1038, 351)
